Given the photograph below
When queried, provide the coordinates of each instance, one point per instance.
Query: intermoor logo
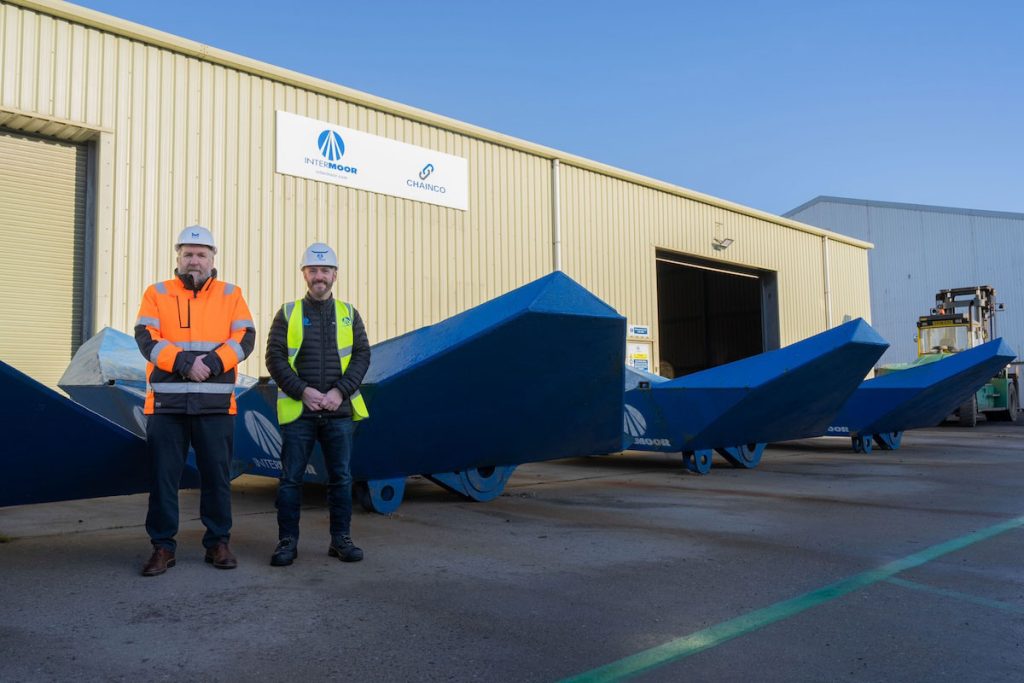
(264, 433)
(633, 422)
(268, 438)
(140, 418)
(332, 147)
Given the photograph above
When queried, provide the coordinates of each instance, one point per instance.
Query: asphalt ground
(820, 565)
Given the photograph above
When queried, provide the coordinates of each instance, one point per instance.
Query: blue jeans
(167, 439)
(298, 438)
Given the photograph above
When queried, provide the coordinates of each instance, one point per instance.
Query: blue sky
(763, 103)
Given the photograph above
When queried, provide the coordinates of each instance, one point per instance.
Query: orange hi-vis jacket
(176, 324)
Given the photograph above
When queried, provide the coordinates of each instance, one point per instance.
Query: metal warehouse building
(114, 136)
(920, 250)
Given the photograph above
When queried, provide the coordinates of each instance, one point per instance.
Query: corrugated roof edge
(151, 36)
(822, 199)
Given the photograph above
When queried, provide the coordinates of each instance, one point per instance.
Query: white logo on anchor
(633, 422)
(264, 433)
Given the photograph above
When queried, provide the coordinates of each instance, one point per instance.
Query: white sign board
(318, 150)
(638, 355)
(639, 331)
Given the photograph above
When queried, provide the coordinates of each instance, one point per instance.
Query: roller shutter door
(42, 253)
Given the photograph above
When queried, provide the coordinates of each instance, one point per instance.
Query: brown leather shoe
(160, 561)
(220, 557)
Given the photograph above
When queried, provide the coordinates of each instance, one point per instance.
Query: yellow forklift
(963, 318)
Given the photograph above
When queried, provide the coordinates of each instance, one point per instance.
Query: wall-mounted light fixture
(720, 244)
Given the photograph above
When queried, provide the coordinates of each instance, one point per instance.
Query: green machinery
(963, 318)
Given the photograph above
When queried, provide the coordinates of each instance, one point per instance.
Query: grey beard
(197, 283)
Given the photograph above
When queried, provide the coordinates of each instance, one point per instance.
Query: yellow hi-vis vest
(288, 409)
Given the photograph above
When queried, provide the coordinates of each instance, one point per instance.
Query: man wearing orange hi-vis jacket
(193, 330)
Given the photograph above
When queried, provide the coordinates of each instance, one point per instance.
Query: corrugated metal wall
(42, 224)
(611, 229)
(848, 264)
(185, 134)
(920, 250)
(194, 142)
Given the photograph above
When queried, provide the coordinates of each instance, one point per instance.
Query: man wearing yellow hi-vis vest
(318, 354)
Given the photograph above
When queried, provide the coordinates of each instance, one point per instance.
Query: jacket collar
(186, 282)
(310, 301)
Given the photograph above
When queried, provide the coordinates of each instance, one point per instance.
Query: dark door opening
(709, 315)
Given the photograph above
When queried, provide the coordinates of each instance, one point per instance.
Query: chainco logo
(420, 184)
(332, 148)
(634, 424)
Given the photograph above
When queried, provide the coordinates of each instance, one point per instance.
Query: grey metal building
(921, 249)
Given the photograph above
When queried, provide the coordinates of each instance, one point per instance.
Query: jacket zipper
(195, 295)
(323, 353)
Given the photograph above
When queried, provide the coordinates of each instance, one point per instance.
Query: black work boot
(345, 550)
(285, 553)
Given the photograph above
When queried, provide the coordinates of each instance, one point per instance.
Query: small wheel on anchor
(486, 483)
(751, 453)
(746, 456)
(697, 461)
(382, 496)
(889, 441)
(479, 484)
(861, 444)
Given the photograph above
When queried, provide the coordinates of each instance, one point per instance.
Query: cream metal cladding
(612, 228)
(193, 141)
(848, 264)
(184, 133)
(42, 221)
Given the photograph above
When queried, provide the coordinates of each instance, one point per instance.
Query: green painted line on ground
(957, 595)
(752, 621)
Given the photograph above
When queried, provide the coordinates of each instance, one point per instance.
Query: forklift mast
(979, 302)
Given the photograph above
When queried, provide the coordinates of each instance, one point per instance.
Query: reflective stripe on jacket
(290, 409)
(176, 324)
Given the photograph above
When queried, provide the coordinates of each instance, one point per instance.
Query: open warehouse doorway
(711, 313)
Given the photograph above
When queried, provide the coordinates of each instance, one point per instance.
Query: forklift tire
(968, 412)
(1011, 412)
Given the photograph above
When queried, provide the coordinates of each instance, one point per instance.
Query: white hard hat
(319, 254)
(196, 234)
